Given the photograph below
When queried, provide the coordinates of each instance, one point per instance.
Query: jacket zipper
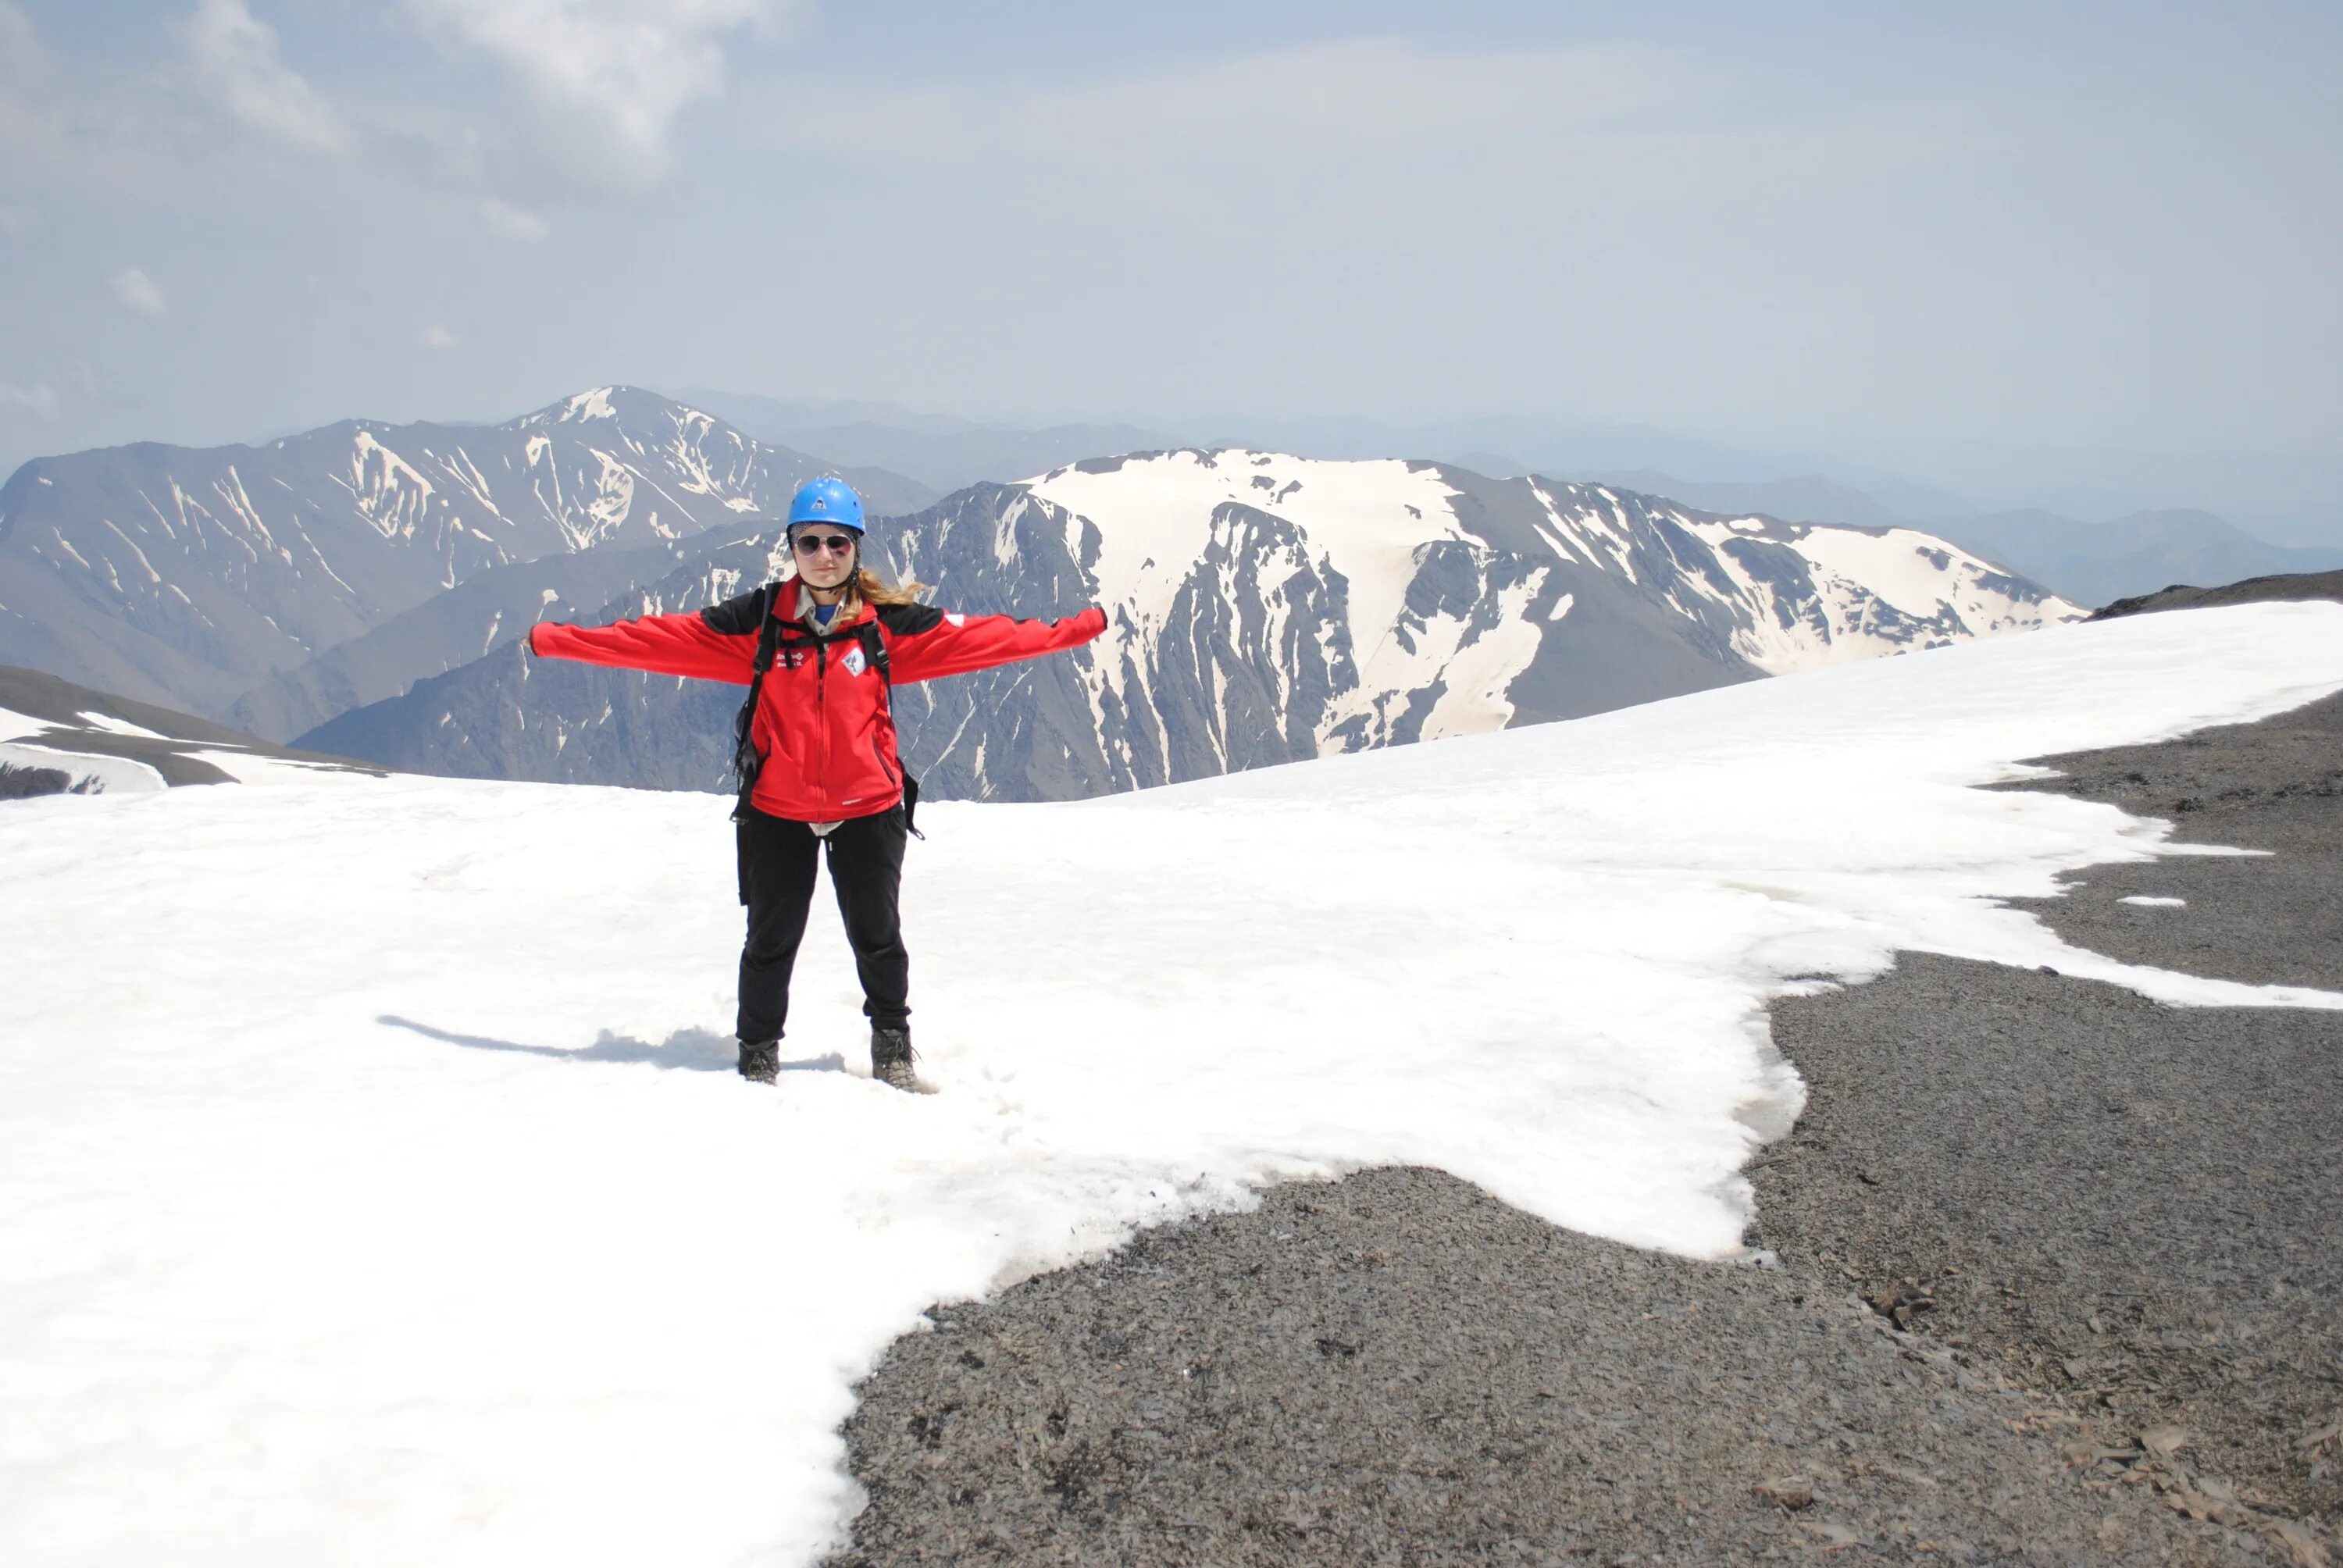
(821, 709)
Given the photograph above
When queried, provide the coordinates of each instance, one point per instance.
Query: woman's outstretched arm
(924, 643)
(703, 643)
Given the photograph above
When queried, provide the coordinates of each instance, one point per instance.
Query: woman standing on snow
(816, 747)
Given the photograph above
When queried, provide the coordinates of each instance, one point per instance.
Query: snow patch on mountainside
(1365, 519)
(1881, 592)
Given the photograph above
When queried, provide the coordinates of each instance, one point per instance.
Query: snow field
(375, 1186)
(1159, 508)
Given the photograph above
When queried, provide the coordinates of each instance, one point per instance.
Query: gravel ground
(2057, 1281)
(2137, 1209)
(1397, 1369)
(2271, 919)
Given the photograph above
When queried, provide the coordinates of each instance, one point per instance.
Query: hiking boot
(761, 1061)
(891, 1058)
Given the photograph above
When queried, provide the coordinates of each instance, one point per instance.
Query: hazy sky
(1820, 228)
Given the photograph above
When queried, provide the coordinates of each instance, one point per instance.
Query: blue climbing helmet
(828, 499)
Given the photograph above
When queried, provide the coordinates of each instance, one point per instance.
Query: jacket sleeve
(702, 644)
(924, 643)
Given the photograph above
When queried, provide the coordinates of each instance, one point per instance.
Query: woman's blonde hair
(867, 586)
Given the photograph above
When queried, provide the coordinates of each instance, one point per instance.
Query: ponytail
(870, 588)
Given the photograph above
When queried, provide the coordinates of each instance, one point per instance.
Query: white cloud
(236, 58)
(438, 337)
(605, 80)
(512, 222)
(137, 290)
(38, 400)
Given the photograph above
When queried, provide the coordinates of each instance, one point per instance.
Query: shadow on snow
(691, 1050)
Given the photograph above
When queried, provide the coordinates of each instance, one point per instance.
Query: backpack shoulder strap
(745, 760)
(874, 648)
(769, 635)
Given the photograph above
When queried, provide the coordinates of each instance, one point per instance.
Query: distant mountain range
(2092, 563)
(190, 577)
(948, 453)
(2099, 563)
(360, 588)
(1262, 609)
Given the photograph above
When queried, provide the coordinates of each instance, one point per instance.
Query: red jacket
(823, 725)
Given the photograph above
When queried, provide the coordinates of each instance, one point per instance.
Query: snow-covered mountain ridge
(1451, 580)
(1262, 609)
(189, 576)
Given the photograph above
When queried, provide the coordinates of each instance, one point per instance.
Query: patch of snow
(17, 726)
(1154, 514)
(112, 775)
(2151, 901)
(390, 492)
(113, 726)
(145, 565)
(1876, 591)
(251, 768)
(593, 405)
(1476, 677)
(614, 498)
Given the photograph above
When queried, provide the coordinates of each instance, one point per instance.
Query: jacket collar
(792, 606)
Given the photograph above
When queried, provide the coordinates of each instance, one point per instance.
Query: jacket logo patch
(854, 661)
(957, 618)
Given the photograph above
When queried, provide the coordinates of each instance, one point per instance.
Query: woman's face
(825, 554)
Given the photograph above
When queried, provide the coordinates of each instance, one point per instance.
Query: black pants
(776, 872)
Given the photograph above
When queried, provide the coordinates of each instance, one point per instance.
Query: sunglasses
(836, 544)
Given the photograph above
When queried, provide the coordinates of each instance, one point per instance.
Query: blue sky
(1938, 245)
